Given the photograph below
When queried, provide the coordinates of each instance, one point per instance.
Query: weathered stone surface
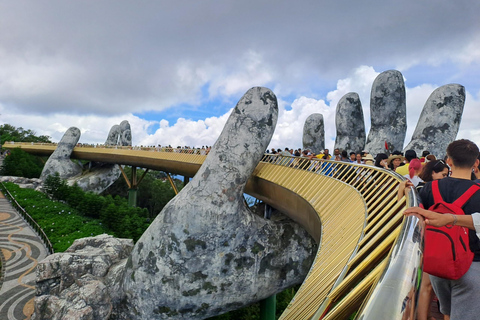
(350, 123)
(314, 133)
(387, 112)
(120, 135)
(86, 299)
(26, 183)
(439, 121)
(206, 253)
(71, 285)
(60, 161)
(102, 175)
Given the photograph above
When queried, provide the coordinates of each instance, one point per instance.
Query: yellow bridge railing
(351, 210)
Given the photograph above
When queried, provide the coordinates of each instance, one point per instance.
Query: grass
(61, 223)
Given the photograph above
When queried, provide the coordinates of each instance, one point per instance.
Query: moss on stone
(165, 310)
(150, 263)
(199, 276)
(209, 287)
(139, 247)
(228, 258)
(225, 285)
(190, 293)
(163, 252)
(203, 308)
(257, 247)
(191, 244)
(174, 239)
(244, 262)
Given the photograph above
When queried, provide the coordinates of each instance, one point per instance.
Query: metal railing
(33, 224)
(381, 251)
(374, 229)
(197, 151)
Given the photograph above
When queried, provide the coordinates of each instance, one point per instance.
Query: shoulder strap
(460, 202)
(437, 197)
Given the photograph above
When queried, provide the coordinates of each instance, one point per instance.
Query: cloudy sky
(174, 69)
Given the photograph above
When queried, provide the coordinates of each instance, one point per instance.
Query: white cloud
(288, 132)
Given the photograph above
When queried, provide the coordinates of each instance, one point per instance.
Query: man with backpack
(458, 298)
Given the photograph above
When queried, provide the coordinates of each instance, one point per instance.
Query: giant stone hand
(98, 176)
(206, 253)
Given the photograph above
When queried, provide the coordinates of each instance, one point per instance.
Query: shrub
(21, 164)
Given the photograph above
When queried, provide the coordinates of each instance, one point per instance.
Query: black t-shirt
(451, 189)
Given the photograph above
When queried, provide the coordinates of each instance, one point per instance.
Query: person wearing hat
(409, 156)
(368, 159)
(394, 161)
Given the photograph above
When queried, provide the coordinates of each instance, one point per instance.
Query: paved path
(20, 250)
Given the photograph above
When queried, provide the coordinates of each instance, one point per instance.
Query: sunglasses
(438, 162)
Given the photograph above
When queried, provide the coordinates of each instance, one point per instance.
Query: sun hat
(389, 160)
(368, 157)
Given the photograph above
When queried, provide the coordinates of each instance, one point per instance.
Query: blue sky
(174, 70)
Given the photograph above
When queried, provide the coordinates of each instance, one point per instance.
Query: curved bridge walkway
(20, 251)
(368, 252)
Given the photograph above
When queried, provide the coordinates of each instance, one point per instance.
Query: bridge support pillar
(132, 185)
(132, 197)
(268, 307)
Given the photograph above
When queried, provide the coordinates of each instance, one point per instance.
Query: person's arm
(439, 220)
(402, 188)
(476, 223)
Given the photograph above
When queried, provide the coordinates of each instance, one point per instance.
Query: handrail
(197, 151)
(406, 259)
(29, 220)
(384, 225)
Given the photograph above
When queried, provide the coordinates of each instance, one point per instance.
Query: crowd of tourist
(408, 165)
(455, 174)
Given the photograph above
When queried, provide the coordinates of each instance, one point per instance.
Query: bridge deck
(351, 210)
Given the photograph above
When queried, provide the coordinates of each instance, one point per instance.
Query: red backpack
(447, 251)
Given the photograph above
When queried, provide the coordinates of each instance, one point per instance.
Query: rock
(314, 133)
(86, 299)
(72, 285)
(350, 124)
(439, 121)
(387, 112)
(206, 253)
(59, 161)
(26, 183)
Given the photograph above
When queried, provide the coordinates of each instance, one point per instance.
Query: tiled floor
(20, 249)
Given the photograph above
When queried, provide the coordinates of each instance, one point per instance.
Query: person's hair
(397, 153)
(344, 153)
(430, 167)
(415, 165)
(352, 153)
(379, 158)
(463, 153)
(425, 153)
(410, 155)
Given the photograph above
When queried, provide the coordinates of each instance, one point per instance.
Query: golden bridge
(370, 256)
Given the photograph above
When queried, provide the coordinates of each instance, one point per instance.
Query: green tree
(21, 164)
(11, 133)
(154, 191)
